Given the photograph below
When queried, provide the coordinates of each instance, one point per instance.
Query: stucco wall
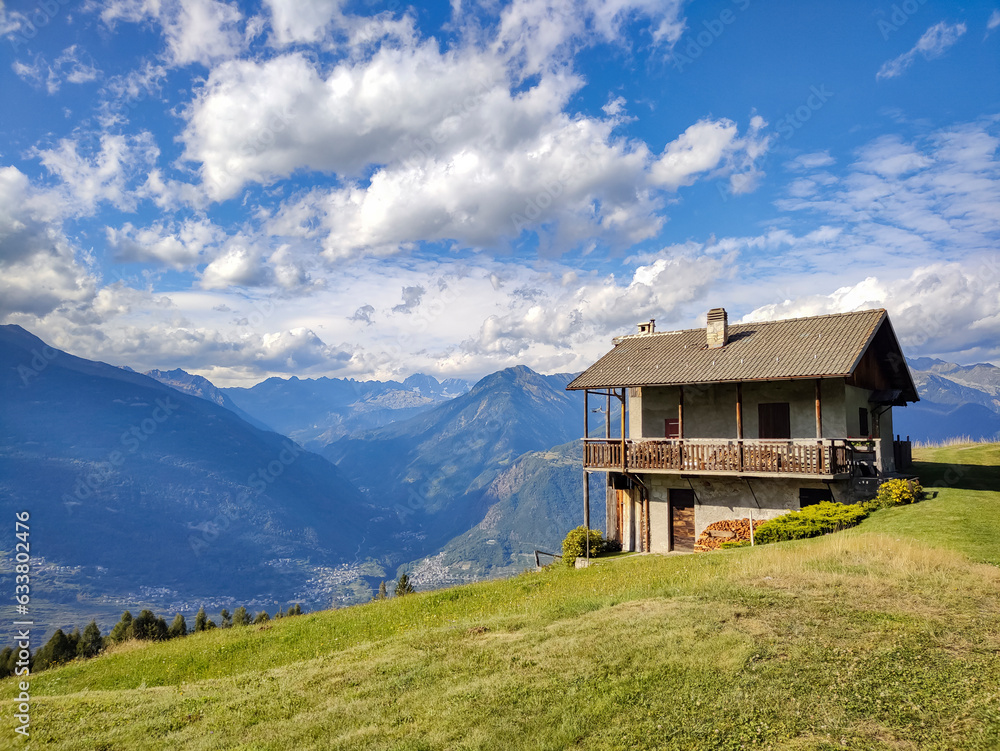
(710, 409)
(719, 498)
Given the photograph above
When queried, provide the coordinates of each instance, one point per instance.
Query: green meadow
(886, 636)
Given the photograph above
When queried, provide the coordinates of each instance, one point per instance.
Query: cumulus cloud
(934, 43)
(569, 315)
(195, 31)
(39, 270)
(177, 246)
(302, 21)
(950, 309)
(240, 264)
(432, 145)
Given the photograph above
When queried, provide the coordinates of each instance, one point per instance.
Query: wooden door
(774, 420)
(682, 519)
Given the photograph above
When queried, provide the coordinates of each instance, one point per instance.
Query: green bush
(895, 493)
(574, 546)
(810, 522)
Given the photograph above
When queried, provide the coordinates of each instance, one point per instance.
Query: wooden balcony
(826, 458)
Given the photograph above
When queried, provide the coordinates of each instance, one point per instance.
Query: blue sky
(366, 189)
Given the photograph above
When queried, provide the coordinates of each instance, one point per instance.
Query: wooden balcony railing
(830, 456)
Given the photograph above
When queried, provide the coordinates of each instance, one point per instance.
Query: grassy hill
(883, 637)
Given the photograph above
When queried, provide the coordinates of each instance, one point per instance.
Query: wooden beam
(819, 410)
(607, 417)
(623, 429)
(586, 413)
(586, 508)
(645, 504)
(680, 413)
(739, 411)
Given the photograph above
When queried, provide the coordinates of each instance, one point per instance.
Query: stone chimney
(648, 328)
(718, 328)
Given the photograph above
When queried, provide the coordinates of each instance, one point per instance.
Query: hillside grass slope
(886, 636)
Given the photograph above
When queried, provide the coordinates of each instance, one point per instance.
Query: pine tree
(178, 627)
(57, 650)
(201, 620)
(295, 610)
(383, 592)
(74, 640)
(241, 617)
(403, 586)
(279, 614)
(91, 642)
(145, 627)
(262, 617)
(227, 618)
(121, 630)
(4, 662)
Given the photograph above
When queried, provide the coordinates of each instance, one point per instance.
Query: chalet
(748, 420)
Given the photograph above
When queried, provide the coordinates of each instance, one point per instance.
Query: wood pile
(717, 533)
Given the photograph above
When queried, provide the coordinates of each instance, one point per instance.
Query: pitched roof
(815, 347)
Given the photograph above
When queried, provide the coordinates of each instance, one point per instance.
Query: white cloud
(540, 35)
(703, 146)
(456, 155)
(994, 20)
(202, 31)
(931, 197)
(39, 271)
(240, 264)
(109, 175)
(301, 21)
(934, 43)
(950, 309)
(177, 246)
(72, 66)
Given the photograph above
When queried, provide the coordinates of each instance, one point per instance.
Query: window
(812, 496)
(672, 427)
(863, 421)
(773, 420)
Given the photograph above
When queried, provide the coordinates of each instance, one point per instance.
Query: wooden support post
(645, 511)
(739, 426)
(739, 411)
(586, 413)
(623, 430)
(586, 509)
(819, 425)
(680, 413)
(819, 411)
(607, 416)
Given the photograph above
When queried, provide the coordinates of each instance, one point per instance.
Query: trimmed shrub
(726, 544)
(811, 521)
(895, 493)
(574, 546)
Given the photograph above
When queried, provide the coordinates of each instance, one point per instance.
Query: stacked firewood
(717, 533)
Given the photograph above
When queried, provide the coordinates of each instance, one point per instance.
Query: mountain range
(317, 411)
(138, 492)
(162, 489)
(955, 401)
